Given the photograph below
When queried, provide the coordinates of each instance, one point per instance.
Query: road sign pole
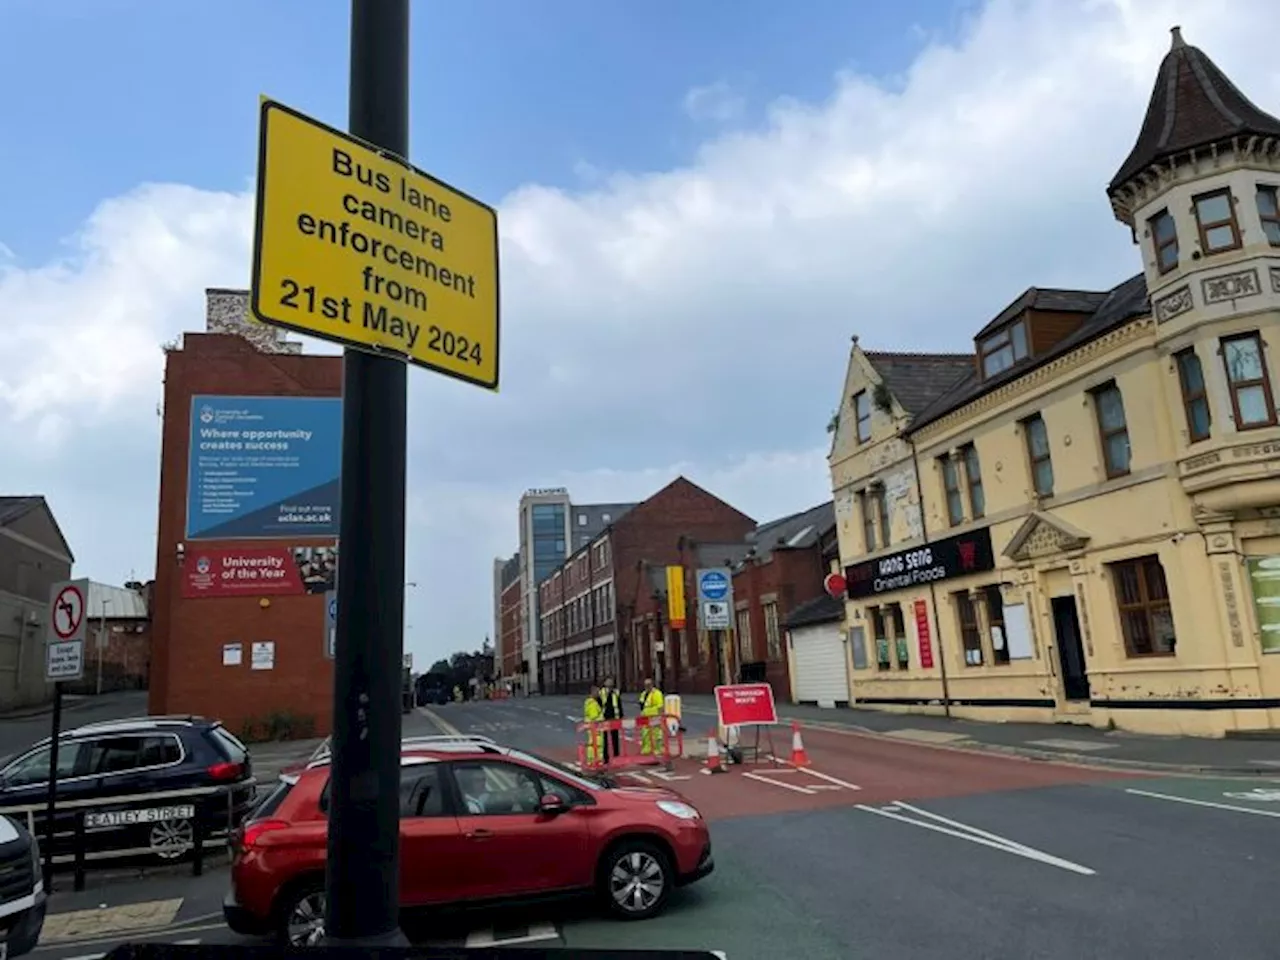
(51, 793)
(362, 904)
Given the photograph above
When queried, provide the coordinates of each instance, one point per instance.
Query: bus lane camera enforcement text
(362, 248)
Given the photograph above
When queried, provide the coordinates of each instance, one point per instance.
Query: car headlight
(678, 809)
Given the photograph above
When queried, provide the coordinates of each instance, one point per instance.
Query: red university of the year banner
(257, 571)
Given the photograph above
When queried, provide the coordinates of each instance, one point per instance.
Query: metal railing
(204, 801)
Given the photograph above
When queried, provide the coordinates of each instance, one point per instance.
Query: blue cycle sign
(713, 584)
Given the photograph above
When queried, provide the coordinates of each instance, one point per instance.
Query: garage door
(818, 657)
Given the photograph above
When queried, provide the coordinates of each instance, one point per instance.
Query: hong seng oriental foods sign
(940, 560)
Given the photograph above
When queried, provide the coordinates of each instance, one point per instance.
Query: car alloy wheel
(637, 881)
(170, 839)
(304, 924)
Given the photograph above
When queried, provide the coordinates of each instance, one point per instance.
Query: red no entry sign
(67, 610)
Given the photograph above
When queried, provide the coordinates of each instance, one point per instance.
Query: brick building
(118, 635)
(204, 650)
(508, 653)
(782, 568)
(600, 612)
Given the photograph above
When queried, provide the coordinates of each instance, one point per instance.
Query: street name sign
(354, 245)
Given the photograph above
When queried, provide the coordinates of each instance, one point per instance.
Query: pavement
(885, 846)
(1072, 742)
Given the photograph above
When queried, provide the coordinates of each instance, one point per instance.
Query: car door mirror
(552, 804)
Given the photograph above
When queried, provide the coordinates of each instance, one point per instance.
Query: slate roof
(794, 531)
(1193, 105)
(1049, 298)
(798, 530)
(11, 508)
(917, 379)
(821, 609)
(1122, 303)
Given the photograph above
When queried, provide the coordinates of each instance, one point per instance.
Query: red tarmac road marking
(866, 770)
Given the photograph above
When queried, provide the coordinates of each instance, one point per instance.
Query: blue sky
(503, 92)
(700, 201)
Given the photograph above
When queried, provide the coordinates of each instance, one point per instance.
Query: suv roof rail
(126, 721)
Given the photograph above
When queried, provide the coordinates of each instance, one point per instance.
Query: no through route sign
(68, 600)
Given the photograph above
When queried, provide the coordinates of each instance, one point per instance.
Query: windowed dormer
(1002, 349)
(1031, 326)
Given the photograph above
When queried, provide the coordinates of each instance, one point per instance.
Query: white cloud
(692, 320)
(717, 102)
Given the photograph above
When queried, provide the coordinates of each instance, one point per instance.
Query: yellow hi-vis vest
(651, 703)
(591, 710)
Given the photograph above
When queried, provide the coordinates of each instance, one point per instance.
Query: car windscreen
(271, 802)
(560, 770)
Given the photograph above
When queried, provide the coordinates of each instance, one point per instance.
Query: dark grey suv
(142, 786)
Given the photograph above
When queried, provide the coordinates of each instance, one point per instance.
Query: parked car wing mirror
(552, 804)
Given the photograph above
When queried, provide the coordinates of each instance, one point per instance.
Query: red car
(510, 826)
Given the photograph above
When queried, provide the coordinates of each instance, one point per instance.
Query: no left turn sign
(67, 602)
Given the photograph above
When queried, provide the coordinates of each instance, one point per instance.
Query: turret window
(1269, 212)
(1217, 220)
(1165, 234)
(1247, 377)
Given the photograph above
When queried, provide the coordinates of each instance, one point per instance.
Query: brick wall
(788, 578)
(651, 532)
(187, 674)
(512, 645)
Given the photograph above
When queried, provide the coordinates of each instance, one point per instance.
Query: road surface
(882, 848)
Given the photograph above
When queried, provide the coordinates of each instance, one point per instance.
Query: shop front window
(882, 638)
(970, 632)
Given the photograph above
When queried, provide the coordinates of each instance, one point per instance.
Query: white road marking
(536, 932)
(664, 775)
(830, 779)
(973, 835)
(1262, 794)
(778, 783)
(639, 776)
(1203, 803)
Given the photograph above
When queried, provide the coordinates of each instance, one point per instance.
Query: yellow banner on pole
(675, 597)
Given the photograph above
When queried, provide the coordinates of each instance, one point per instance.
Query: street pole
(102, 641)
(362, 883)
(51, 793)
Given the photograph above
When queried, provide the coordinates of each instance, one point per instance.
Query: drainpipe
(933, 590)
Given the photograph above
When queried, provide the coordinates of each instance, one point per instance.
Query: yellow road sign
(356, 246)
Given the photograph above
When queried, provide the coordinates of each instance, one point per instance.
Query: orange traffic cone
(798, 756)
(713, 764)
